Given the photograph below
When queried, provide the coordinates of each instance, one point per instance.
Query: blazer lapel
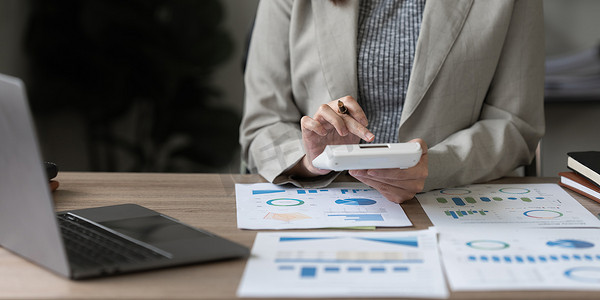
(336, 31)
(441, 25)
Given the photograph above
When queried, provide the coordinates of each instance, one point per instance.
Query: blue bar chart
(540, 205)
(462, 213)
(269, 206)
(344, 264)
(524, 258)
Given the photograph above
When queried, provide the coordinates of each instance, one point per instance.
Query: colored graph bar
(442, 200)
(533, 258)
(345, 191)
(401, 269)
(260, 192)
(355, 269)
(346, 261)
(470, 199)
(315, 191)
(497, 198)
(286, 268)
(411, 241)
(332, 269)
(461, 213)
(360, 217)
(308, 272)
(377, 269)
(525, 199)
(485, 199)
(451, 213)
(588, 257)
(458, 201)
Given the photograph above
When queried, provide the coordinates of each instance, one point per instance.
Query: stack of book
(585, 178)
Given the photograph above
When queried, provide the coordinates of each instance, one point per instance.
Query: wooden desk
(202, 200)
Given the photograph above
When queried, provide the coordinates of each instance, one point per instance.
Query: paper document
(521, 259)
(519, 205)
(269, 206)
(344, 264)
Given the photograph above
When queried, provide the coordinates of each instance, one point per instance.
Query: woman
(463, 78)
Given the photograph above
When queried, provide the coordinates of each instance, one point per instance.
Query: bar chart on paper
(268, 206)
(533, 205)
(524, 259)
(344, 264)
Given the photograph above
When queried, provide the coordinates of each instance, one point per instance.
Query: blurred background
(157, 86)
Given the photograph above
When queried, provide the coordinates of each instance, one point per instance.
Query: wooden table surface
(202, 200)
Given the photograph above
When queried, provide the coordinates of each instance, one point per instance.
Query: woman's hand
(330, 127)
(397, 185)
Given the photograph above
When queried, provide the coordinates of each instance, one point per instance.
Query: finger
(53, 185)
(354, 110)
(422, 142)
(309, 123)
(420, 171)
(327, 114)
(307, 163)
(409, 185)
(393, 194)
(358, 129)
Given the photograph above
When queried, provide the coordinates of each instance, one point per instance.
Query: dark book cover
(585, 163)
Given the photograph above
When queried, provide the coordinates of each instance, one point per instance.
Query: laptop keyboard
(89, 246)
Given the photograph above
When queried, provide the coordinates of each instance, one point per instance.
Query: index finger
(358, 129)
(354, 110)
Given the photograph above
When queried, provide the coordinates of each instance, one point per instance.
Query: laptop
(84, 243)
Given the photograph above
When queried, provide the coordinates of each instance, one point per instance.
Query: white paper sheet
(269, 206)
(344, 264)
(518, 205)
(521, 259)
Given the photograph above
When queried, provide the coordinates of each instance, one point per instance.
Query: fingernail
(369, 136)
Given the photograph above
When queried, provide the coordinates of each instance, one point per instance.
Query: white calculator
(369, 156)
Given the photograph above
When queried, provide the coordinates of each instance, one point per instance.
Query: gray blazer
(475, 94)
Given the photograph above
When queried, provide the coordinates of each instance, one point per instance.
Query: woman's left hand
(397, 185)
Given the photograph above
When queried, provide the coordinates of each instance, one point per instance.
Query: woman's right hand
(330, 127)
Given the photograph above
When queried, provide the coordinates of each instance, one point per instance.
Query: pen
(342, 108)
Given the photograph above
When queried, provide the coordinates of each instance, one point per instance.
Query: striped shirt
(387, 36)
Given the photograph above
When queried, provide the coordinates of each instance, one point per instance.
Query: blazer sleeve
(511, 121)
(270, 134)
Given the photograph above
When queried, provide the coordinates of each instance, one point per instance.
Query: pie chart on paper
(355, 201)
